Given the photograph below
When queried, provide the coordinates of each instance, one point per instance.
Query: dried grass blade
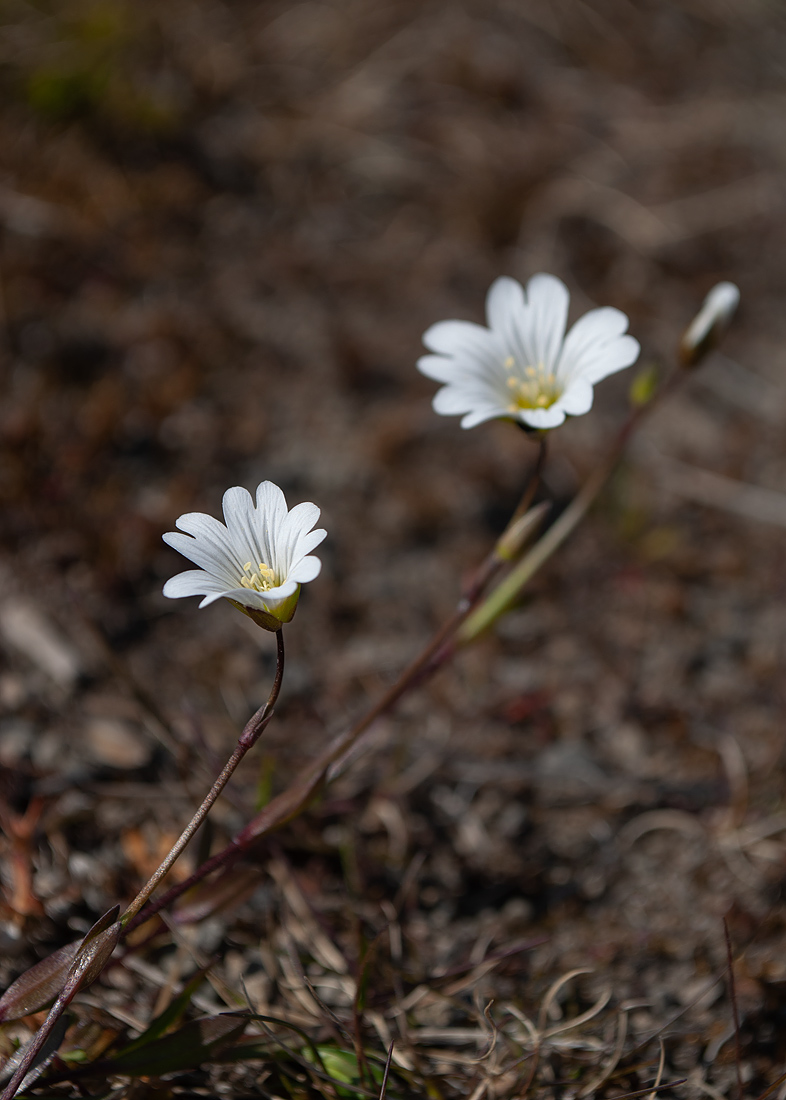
(611, 1064)
(577, 1021)
(553, 990)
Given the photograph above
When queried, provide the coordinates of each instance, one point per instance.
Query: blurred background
(224, 227)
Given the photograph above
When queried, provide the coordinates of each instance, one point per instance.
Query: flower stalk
(248, 738)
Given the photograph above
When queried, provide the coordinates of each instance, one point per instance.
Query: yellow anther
(532, 387)
(509, 363)
(260, 580)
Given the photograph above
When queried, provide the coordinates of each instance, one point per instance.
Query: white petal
(452, 400)
(542, 326)
(482, 413)
(194, 582)
(213, 596)
(249, 597)
(467, 370)
(271, 502)
(308, 542)
(305, 570)
(240, 517)
(437, 367)
(504, 301)
(293, 530)
(253, 530)
(542, 418)
(217, 561)
(214, 539)
(283, 591)
(271, 526)
(454, 337)
(576, 398)
(302, 517)
(596, 347)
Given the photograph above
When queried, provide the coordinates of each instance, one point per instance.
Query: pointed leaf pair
(39, 985)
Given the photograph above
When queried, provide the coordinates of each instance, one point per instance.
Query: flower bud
(708, 326)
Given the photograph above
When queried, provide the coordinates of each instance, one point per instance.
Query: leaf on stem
(95, 949)
(206, 899)
(39, 985)
(169, 1018)
(42, 1059)
(516, 536)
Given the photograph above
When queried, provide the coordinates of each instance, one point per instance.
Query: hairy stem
(248, 738)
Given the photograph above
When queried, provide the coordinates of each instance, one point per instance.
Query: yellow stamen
(260, 580)
(532, 388)
(509, 363)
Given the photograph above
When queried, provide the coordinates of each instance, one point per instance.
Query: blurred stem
(506, 593)
(533, 485)
(247, 740)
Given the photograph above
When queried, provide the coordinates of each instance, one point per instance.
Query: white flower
(258, 560)
(523, 366)
(709, 324)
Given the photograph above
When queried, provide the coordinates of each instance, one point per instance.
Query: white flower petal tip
(523, 366)
(257, 560)
(708, 326)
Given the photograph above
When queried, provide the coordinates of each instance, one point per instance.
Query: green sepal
(272, 618)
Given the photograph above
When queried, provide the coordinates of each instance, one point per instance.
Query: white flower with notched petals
(523, 366)
(258, 560)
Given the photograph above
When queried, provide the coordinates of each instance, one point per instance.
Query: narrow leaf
(92, 955)
(44, 1056)
(39, 985)
(102, 924)
(232, 888)
(169, 1018)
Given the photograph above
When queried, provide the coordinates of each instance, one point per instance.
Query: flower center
(260, 579)
(532, 388)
